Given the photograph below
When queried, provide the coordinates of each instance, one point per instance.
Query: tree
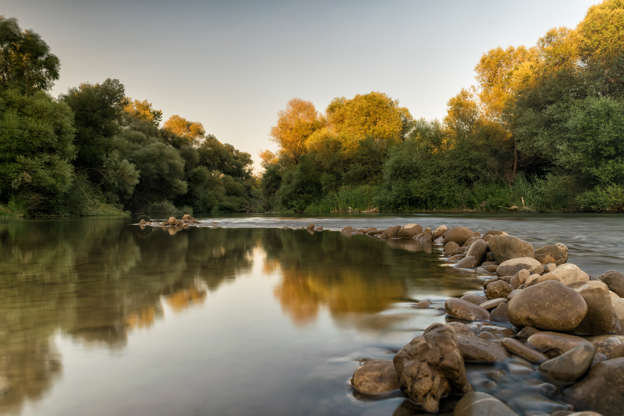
(25, 59)
(184, 128)
(294, 126)
(601, 33)
(143, 110)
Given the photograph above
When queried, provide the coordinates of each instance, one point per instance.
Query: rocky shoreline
(542, 338)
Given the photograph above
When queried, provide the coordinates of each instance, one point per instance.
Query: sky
(233, 65)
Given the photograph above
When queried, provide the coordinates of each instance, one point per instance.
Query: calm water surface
(99, 317)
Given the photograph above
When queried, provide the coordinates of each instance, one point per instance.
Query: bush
(608, 198)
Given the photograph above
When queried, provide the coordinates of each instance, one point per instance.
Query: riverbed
(239, 316)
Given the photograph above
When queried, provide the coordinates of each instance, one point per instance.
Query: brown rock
(600, 318)
(477, 249)
(498, 289)
(467, 311)
(555, 253)
(513, 266)
(475, 298)
(451, 248)
(431, 367)
(468, 262)
(458, 234)
(602, 390)
(554, 343)
(505, 247)
(172, 221)
(608, 347)
(409, 231)
(375, 377)
(516, 347)
(566, 273)
(500, 313)
(615, 281)
(571, 365)
(481, 404)
(548, 305)
(391, 232)
(439, 231)
(493, 303)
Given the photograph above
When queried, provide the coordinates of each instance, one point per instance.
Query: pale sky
(232, 65)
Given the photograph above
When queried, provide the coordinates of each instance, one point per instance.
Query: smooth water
(99, 317)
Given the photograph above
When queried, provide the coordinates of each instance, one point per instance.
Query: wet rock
(516, 347)
(504, 247)
(500, 313)
(409, 231)
(555, 253)
(439, 231)
(614, 280)
(425, 240)
(467, 311)
(519, 278)
(548, 305)
(526, 332)
(493, 303)
(172, 221)
(566, 273)
(451, 248)
(423, 304)
(498, 289)
(600, 318)
(535, 404)
(478, 403)
(554, 343)
(458, 234)
(468, 262)
(348, 231)
(602, 390)
(607, 347)
(549, 267)
(375, 377)
(496, 331)
(570, 365)
(475, 298)
(390, 232)
(477, 349)
(513, 266)
(431, 367)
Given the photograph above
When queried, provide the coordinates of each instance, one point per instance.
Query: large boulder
(554, 343)
(409, 231)
(458, 234)
(600, 318)
(477, 250)
(567, 274)
(548, 305)
(483, 404)
(467, 311)
(512, 266)
(615, 281)
(375, 377)
(504, 247)
(570, 365)
(431, 367)
(602, 390)
(555, 253)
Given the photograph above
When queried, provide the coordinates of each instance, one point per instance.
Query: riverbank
(543, 337)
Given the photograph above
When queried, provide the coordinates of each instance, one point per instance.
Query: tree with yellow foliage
(294, 125)
(143, 110)
(184, 128)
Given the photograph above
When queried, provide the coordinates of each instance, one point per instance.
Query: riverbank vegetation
(95, 151)
(542, 129)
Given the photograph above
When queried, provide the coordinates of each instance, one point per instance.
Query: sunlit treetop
(25, 59)
(184, 128)
(143, 110)
(601, 33)
(294, 125)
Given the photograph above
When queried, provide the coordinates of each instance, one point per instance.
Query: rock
(409, 231)
(493, 303)
(172, 221)
(477, 250)
(423, 304)
(310, 227)
(615, 281)
(468, 262)
(505, 247)
(513, 266)
(571, 365)
(375, 377)
(483, 404)
(555, 253)
(602, 390)
(425, 241)
(526, 332)
(431, 367)
(500, 313)
(439, 231)
(390, 232)
(600, 318)
(554, 343)
(513, 293)
(519, 278)
(348, 231)
(451, 248)
(497, 289)
(550, 267)
(608, 347)
(475, 298)
(516, 347)
(548, 305)
(475, 348)
(458, 234)
(467, 311)
(566, 273)
(187, 217)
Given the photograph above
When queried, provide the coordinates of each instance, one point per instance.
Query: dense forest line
(95, 151)
(542, 129)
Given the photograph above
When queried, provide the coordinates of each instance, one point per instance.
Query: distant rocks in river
(546, 328)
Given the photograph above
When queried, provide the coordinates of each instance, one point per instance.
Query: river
(237, 317)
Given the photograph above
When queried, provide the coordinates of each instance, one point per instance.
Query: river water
(100, 317)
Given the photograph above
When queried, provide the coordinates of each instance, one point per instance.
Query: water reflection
(97, 281)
